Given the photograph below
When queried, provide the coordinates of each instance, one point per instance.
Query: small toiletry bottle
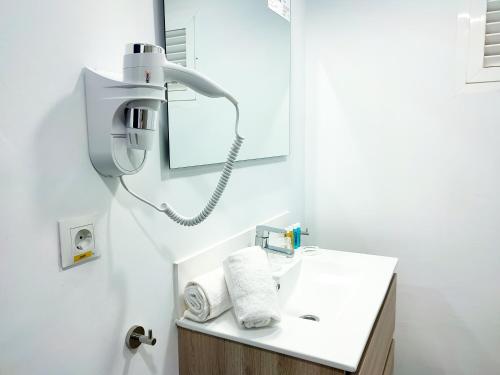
(296, 235)
(299, 235)
(289, 238)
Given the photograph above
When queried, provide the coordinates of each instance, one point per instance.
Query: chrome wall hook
(136, 336)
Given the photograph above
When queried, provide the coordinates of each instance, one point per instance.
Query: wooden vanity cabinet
(201, 354)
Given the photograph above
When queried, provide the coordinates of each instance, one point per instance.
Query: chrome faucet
(262, 239)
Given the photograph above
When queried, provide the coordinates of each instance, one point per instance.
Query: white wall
(74, 322)
(401, 162)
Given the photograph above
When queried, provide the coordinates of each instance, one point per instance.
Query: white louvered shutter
(492, 39)
(176, 49)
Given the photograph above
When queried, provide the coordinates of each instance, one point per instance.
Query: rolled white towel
(251, 287)
(206, 296)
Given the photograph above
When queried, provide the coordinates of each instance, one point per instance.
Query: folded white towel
(251, 287)
(206, 296)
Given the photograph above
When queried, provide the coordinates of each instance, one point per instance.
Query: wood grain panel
(375, 354)
(389, 364)
(201, 354)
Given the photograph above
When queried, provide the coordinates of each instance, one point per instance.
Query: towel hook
(136, 336)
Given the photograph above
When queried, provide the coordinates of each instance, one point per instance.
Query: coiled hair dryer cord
(216, 195)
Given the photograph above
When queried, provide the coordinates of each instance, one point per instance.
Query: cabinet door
(379, 343)
(201, 354)
(389, 364)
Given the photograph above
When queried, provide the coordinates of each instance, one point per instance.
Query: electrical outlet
(77, 240)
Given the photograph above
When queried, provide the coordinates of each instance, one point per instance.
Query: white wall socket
(77, 240)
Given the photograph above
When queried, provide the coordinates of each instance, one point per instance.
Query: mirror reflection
(245, 47)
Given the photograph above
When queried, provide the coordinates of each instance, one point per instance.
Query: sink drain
(314, 318)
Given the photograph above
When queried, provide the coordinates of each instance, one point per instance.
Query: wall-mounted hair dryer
(122, 117)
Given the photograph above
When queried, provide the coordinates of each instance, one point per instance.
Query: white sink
(320, 285)
(344, 290)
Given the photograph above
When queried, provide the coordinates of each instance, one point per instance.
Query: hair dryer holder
(108, 99)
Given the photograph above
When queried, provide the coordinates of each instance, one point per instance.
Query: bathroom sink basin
(329, 303)
(323, 285)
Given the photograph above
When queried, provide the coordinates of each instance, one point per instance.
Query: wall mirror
(244, 45)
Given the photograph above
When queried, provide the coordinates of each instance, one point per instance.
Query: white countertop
(345, 290)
